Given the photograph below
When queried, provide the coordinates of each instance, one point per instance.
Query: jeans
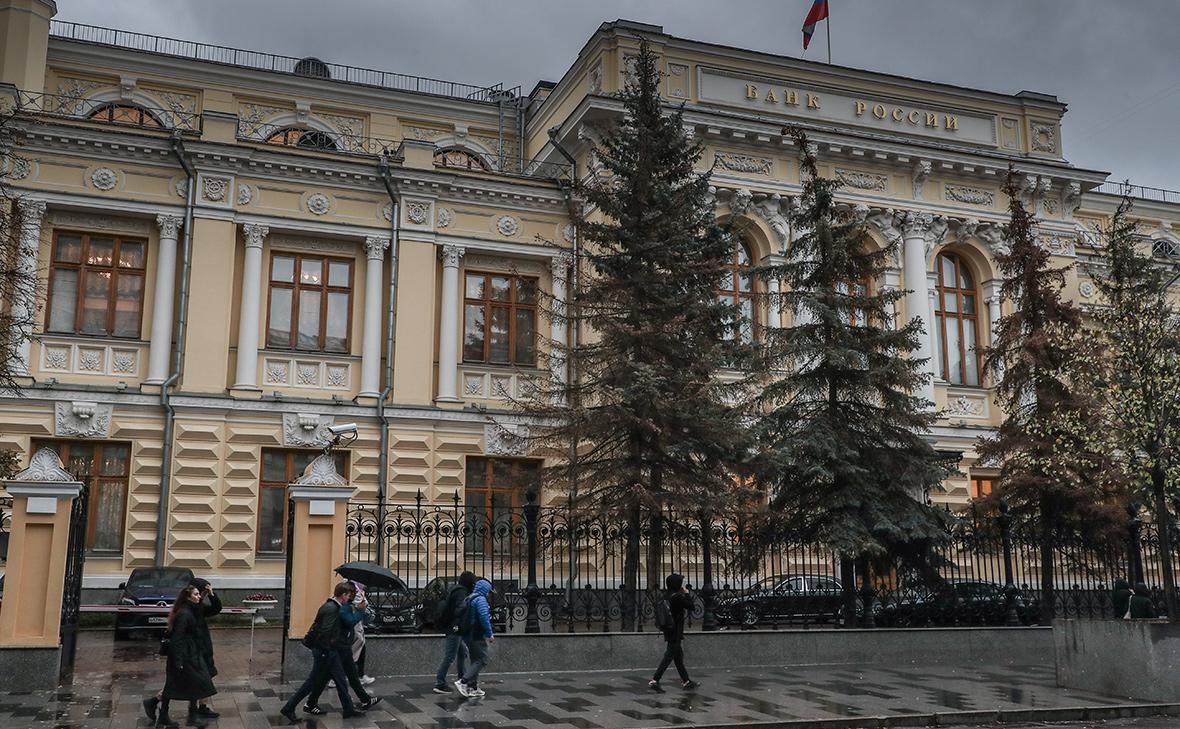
(354, 679)
(478, 651)
(456, 650)
(325, 663)
(673, 651)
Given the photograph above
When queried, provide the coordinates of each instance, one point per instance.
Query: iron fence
(109, 112)
(5, 527)
(1142, 192)
(558, 569)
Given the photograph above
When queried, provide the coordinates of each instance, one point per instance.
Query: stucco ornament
(245, 194)
(772, 209)
(321, 472)
(739, 203)
(444, 217)
(387, 212)
(45, 467)
(214, 188)
(181, 187)
(508, 225)
(318, 203)
(301, 430)
(505, 440)
(418, 212)
(82, 419)
(862, 180)
(104, 178)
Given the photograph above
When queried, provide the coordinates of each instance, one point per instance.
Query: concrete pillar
(375, 247)
(30, 215)
(24, 42)
(920, 232)
(558, 325)
(247, 369)
(448, 336)
(162, 299)
(993, 301)
(42, 496)
(317, 545)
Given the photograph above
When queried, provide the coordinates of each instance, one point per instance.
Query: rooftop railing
(109, 112)
(1156, 194)
(309, 67)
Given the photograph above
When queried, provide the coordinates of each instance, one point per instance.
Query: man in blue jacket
(477, 634)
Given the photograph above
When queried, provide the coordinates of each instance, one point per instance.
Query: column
(931, 334)
(774, 308)
(919, 233)
(30, 214)
(247, 371)
(162, 299)
(993, 300)
(375, 247)
(448, 337)
(559, 267)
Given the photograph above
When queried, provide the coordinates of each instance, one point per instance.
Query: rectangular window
(980, 486)
(105, 469)
(279, 468)
(500, 319)
(495, 490)
(310, 303)
(96, 285)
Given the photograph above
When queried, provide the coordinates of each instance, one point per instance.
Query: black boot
(194, 716)
(204, 711)
(150, 706)
(163, 721)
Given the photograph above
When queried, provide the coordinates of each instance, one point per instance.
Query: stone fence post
(317, 544)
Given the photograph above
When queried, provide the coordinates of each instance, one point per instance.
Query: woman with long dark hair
(187, 677)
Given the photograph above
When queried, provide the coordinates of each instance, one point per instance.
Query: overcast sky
(1117, 64)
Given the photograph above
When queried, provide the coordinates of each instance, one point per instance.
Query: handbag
(165, 642)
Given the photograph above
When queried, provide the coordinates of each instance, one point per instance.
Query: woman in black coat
(188, 676)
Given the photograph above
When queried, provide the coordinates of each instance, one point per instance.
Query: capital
(930, 228)
(451, 255)
(32, 210)
(560, 264)
(169, 225)
(375, 247)
(255, 234)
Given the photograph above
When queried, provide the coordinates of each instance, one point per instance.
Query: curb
(958, 718)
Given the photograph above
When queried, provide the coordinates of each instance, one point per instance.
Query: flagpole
(829, 19)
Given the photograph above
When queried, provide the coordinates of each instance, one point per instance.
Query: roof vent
(313, 68)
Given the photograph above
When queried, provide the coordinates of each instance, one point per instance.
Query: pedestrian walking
(1121, 599)
(1141, 604)
(449, 621)
(352, 616)
(477, 637)
(326, 637)
(187, 676)
(208, 606)
(361, 604)
(671, 610)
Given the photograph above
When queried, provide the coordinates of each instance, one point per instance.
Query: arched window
(305, 138)
(1165, 248)
(125, 114)
(737, 288)
(460, 159)
(956, 326)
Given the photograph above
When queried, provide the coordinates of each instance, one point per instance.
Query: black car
(956, 602)
(397, 611)
(155, 586)
(783, 599)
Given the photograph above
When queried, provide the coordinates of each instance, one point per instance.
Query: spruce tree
(645, 422)
(1138, 376)
(1054, 476)
(840, 442)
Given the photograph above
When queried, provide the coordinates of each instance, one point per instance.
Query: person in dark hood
(448, 621)
(1121, 598)
(678, 604)
(1141, 606)
(477, 635)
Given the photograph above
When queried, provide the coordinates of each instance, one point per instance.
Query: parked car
(957, 602)
(156, 586)
(781, 599)
(398, 611)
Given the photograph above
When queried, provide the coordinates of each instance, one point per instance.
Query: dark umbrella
(371, 575)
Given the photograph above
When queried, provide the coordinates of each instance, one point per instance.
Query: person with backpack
(1140, 605)
(327, 637)
(477, 636)
(352, 616)
(450, 620)
(671, 610)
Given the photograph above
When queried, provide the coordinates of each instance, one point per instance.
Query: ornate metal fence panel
(71, 599)
(5, 527)
(561, 569)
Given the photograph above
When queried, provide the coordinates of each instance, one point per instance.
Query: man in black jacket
(448, 622)
(328, 636)
(679, 603)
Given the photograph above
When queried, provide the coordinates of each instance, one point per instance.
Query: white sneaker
(476, 692)
(462, 688)
(331, 684)
(366, 680)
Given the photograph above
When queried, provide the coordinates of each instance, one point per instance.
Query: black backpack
(309, 638)
(664, 619)
(444, 611)
(463, 616)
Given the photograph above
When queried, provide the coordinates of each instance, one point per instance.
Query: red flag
(818, 12)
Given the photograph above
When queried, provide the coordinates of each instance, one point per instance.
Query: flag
(818, 12)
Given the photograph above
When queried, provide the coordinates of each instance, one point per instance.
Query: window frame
(519, 487)
(105, 113)
(82, 268)
(959, 315)
(734, 273)
(289, 454)
(295, 287)
(94, 484)
(324, 140)
(480, 165)
(512, 305)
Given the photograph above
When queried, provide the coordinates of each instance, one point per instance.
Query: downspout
(178, 351)
(383, 456)
(571, 365)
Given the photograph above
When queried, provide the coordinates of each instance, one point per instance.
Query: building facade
(241, 249)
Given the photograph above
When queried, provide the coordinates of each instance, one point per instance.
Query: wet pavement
(111, 679)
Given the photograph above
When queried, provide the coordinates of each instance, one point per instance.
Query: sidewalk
(113, 677)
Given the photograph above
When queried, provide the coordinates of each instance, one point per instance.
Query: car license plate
(157, 620)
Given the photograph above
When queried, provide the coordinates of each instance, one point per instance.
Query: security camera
(342, 429)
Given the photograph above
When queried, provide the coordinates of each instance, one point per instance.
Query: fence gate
(71, 597)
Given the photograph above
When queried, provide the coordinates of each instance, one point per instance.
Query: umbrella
(371, 575)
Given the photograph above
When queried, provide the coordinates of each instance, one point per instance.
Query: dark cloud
(1114, 63)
